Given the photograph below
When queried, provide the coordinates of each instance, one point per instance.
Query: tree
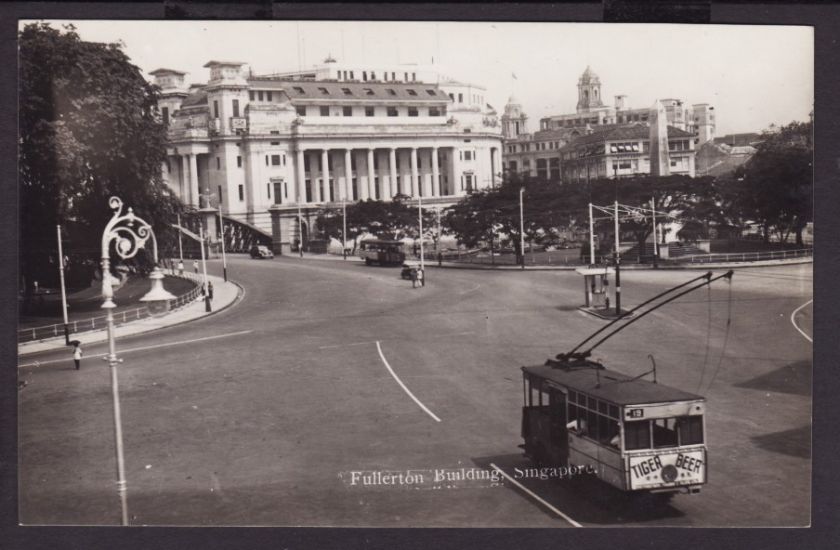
(387, 220)
(89, 130)
(774, 188)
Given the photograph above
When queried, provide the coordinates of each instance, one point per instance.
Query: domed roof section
(589, 76)
(513, 101)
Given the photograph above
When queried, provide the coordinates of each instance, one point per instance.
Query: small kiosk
(596, 285)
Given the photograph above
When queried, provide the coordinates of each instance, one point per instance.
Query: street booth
(596, 285)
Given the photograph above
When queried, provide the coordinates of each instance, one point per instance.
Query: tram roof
(614, 386)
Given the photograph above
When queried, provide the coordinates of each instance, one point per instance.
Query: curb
(99, 336)
(707, 266)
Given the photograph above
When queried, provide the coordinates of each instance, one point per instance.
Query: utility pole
(180, 245)
(300, 228)
(344, 230)
(63, 291)
(617, 266)
(591, 237)
(420, 214)
(204, 268)
(655, 240)
(522, 226)
(221, 239)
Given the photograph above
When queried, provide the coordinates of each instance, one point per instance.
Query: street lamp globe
(157, 299)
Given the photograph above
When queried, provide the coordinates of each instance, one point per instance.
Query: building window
(413, 76)
(239, 162)
(260, 95)
(372, 75)
(324, 91)
(364, 76)
(391, 91)
(411, 92)
(347, 91)
(268, 190)
(236, 108)
(275, 160)
(268, 96)
(251, 95)
(368, 91)
(430, 92)
(347, 111)
(460, 98)
(299, 90)
(368, 111)
(351, 76)
(301, 110)
(434, 111)
(325, 111)
(215, 109)
(392, 111)
(275, 143)
(241, 192)
(165, 113)
(452, 97)
(220, 194)
(266, 160)
(412, 111)
(218, 163)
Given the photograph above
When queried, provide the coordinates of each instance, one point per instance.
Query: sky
(754, 76)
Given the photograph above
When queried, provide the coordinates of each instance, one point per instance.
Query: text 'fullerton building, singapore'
(273, 146)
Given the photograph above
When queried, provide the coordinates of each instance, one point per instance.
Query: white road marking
(397, 378)
(155, 346)
(473, 289)
(793, 321)
(347, 345)
(536, 497)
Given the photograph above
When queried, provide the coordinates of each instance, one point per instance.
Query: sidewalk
(627, 267)
(225, 294)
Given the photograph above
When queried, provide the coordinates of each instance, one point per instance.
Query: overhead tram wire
(588, 352)
(707, 276)
(725, 338)
(708, 337)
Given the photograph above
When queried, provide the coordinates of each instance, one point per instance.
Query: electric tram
(634, 434)
(382, 252)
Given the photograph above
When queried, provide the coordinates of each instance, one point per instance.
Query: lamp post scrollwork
(129, 234)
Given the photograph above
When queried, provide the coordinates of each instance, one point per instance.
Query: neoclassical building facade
(276, 149)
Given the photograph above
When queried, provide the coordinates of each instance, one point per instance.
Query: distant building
(538, 153)
(723, 154)
(270, 145)
(623, 150)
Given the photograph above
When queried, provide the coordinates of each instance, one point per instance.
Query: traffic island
(608, 314)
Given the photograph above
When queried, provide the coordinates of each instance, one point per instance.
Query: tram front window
(691, 430)
(637, 435)
(665, 433)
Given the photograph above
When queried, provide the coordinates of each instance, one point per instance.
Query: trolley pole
(221, 239)
(63, 291)
(655, 240)
(617, 266)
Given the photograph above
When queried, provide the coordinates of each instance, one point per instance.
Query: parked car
(261, 251)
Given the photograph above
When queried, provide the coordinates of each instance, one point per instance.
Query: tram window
(612, 411)
(592, 423)
(607, 429)
(691, 430)
(602, 407)
(572, 396)
(637, 435)
(592, 403)
(544, 398)
(665, 433)
(574, 413)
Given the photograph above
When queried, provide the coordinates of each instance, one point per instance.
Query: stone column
(300, 171)
(183, 182)
(325, 175)
(371, 182)
(348, 175)
(390, 187)
(426, 180)
(435, 172)
(493, 156)
(316, 189)
(456, 173)
(415, 188)
(194, 179)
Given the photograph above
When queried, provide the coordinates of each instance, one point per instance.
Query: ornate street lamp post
(129, 234)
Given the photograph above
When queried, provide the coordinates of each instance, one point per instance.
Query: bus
(382, 252)
(634, 434)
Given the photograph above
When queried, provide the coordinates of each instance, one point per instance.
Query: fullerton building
(276, 149)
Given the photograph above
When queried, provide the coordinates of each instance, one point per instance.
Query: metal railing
(744, 256)
(120, 317)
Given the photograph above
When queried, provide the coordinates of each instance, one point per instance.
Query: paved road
(259, 415)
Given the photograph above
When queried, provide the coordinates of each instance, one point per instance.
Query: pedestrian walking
(77, 355)
(195, 266)
(210, 289)
(180, 268)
